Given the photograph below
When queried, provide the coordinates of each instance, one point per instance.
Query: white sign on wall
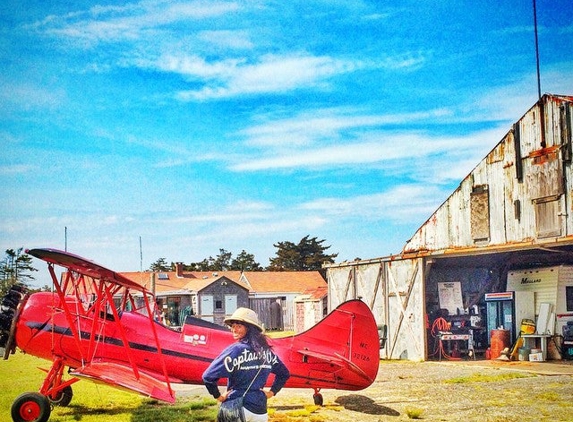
(450, 296)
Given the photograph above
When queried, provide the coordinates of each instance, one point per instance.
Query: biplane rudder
(364, 339)
(346, 339)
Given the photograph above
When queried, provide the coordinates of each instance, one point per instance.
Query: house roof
(166, 283)
(316, 294)
(265, 282)
(199, 284)
(283, 281)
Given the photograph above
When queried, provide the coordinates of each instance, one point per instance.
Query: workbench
(451, 337)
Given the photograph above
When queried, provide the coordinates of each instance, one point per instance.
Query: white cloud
(510, 102)
(198, 67)
(129, 22)
(23, 95)
(315, 143)
(271, 74)
(312, 126)
(13, 169)
(400, 204)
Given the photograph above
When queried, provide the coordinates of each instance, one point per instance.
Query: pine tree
(15, 268)
(307, 255)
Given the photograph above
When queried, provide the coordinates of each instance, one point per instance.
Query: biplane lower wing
(118, 375)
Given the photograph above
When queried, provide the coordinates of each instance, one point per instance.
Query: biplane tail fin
(346, 341)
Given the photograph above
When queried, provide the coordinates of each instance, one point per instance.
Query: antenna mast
(536, 48)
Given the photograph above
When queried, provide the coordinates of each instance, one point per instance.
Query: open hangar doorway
(455, 290)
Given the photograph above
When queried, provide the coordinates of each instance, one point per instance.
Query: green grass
(98, 402)
(487, 378)
(95, 402)
(414, 413)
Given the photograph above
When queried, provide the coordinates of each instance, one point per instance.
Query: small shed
(217, 297)
(310, 308)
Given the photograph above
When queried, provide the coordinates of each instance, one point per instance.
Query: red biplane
(101, 326)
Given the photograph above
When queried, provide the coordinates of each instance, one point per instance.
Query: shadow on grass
(78, 411)
(363, 404)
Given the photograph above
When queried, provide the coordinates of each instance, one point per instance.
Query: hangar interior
(457, 289)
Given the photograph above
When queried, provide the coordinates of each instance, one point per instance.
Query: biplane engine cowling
(8, 311)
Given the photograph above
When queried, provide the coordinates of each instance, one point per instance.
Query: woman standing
(247, 364)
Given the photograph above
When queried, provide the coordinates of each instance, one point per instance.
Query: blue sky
(200, 125)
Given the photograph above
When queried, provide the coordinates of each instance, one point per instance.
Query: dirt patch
(441, 391)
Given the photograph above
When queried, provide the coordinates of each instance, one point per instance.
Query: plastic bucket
(527, 326)
(499, 340)
(524, 353)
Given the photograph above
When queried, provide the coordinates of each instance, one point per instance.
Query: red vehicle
(102, 327)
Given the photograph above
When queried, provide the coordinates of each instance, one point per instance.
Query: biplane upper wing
(83, 266)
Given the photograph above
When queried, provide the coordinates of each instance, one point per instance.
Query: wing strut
(94, 299)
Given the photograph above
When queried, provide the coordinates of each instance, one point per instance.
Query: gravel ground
(486, 391)
(424, 390)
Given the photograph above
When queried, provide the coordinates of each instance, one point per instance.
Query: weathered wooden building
(513, 212)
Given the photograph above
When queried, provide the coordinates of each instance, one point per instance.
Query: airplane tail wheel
(63, 397)
(31, 407)
(318, 399)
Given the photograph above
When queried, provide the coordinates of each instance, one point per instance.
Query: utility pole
(536, 48)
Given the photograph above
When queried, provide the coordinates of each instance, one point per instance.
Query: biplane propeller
(102, 326)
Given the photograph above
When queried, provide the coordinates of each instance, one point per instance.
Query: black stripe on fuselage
(65, 331)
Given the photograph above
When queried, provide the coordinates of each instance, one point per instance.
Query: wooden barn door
(405, 304)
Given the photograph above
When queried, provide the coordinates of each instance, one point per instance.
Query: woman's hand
(269, 394)
(223, 396)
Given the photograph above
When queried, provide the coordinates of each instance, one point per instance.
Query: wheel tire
(318, 399)
(63, 398)
(31, 407)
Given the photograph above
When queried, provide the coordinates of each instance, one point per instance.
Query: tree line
(15, 267)
(309, 254)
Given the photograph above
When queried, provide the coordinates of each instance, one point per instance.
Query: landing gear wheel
(63, 397)
(31, 407)
(318, 399)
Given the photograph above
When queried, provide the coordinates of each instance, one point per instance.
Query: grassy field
(98, 402)
(94, 402)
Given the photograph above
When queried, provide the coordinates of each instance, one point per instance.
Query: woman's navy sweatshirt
(240, 364)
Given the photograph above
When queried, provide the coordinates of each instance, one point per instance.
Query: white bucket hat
(245, 315)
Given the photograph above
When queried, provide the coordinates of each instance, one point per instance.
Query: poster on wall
(450, 296)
